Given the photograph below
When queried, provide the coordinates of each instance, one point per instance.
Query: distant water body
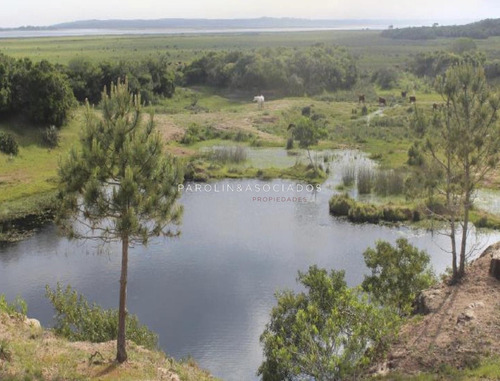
(181, 31)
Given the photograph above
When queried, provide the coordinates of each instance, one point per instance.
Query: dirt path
(248, 120)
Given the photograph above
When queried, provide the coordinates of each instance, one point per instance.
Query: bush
(385, 78)
(360, 213)
(398, 274)
(50, 136)
(17, 307)
(8, 144)
(328, 332)
(341, 204)
(192, 135)
(78, 320)
(415, 156)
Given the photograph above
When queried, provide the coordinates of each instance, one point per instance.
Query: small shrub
(256, 142)
(341, 204)
(78, 320)
(386, 78)
(415, 156)
(8, 144)
(365, 180)
(50, 136)
(192, 135)
(5, 352)
(364, 111)
(17, 307)
(376, 156)
(242, 137)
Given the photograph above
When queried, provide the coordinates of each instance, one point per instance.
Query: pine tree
(463, 142)
(119, 184)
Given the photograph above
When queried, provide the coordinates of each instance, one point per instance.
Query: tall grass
(389, 182)
(365, 180)
(348, 174)
(225, 155)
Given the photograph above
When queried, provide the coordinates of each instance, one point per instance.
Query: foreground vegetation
(29, 352)
(329, 331)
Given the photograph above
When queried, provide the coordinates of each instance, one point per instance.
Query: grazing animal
(435, 106)
(361, 98)
(382, 101)
(403, 94)
(260, 101)
(413, 99)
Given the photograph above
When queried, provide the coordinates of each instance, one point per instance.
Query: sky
(15, 13)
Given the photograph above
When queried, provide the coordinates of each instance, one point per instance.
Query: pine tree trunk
(465, 232)
(453, 250)
(121, 351)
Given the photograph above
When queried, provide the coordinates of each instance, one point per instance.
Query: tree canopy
(326, 333)
(288, 71)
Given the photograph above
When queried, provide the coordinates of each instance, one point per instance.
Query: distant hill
(479, 30)
(179, 23)
(263, 22)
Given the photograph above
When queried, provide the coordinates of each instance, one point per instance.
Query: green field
(371, 50)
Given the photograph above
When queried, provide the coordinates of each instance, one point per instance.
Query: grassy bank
(28, 180)
(397, 210)
(31, 353)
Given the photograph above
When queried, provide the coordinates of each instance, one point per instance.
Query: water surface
(208, 294)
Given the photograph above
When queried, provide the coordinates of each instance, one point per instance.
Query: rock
(495, 264)
(33, 323)
(428, 301)
(167, 375)
(478, 304)
(466, 316)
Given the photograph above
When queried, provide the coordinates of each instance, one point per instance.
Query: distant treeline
(283, 70)
(432, 64)
(479, 30)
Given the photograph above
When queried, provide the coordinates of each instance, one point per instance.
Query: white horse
(260, 101)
